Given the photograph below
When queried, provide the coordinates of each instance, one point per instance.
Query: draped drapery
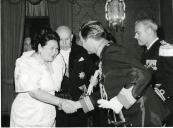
(12, 28)
(39, 9)
(60, 13)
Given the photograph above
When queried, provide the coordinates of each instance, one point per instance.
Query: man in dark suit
(146, 34)
(124, 81)
(79, 69)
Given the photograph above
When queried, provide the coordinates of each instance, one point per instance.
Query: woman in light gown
(38, 74)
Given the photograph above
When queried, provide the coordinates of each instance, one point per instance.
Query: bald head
(66, 37)
(63, 29)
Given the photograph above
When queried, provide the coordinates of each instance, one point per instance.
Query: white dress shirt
(65, 55)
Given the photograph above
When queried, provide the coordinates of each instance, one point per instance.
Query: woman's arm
(67, 106)
(44, 96)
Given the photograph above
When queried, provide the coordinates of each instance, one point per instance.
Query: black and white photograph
(86, 63)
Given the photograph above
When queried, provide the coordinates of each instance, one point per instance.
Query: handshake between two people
(69, 106)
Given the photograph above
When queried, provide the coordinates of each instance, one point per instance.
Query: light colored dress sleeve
(59, 69)
(26, 77)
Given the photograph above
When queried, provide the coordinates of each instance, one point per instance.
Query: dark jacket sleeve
(121, 73)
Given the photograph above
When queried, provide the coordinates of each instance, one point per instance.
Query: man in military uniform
(125, 80)
(146, 34)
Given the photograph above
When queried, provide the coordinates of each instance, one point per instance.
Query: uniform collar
(101, 47)
(151, 44)
(103, 50)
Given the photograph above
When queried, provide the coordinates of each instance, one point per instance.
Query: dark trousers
(156, 111)
(169, 120)
(100, 117)
(77, 119)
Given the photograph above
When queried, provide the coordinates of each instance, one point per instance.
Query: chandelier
(115, 12)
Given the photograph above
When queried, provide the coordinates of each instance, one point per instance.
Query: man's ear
(149, 30)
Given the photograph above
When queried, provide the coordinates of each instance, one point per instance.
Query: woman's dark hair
(43, 37)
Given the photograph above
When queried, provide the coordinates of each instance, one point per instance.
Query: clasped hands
(69, 106)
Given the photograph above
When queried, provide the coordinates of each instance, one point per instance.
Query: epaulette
(166, 49)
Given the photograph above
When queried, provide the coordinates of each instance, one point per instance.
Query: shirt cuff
(126, 98)
(86, 104)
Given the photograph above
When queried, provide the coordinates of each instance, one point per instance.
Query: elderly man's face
(65, 39)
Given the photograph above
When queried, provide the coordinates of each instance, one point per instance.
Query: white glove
(113, 104)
